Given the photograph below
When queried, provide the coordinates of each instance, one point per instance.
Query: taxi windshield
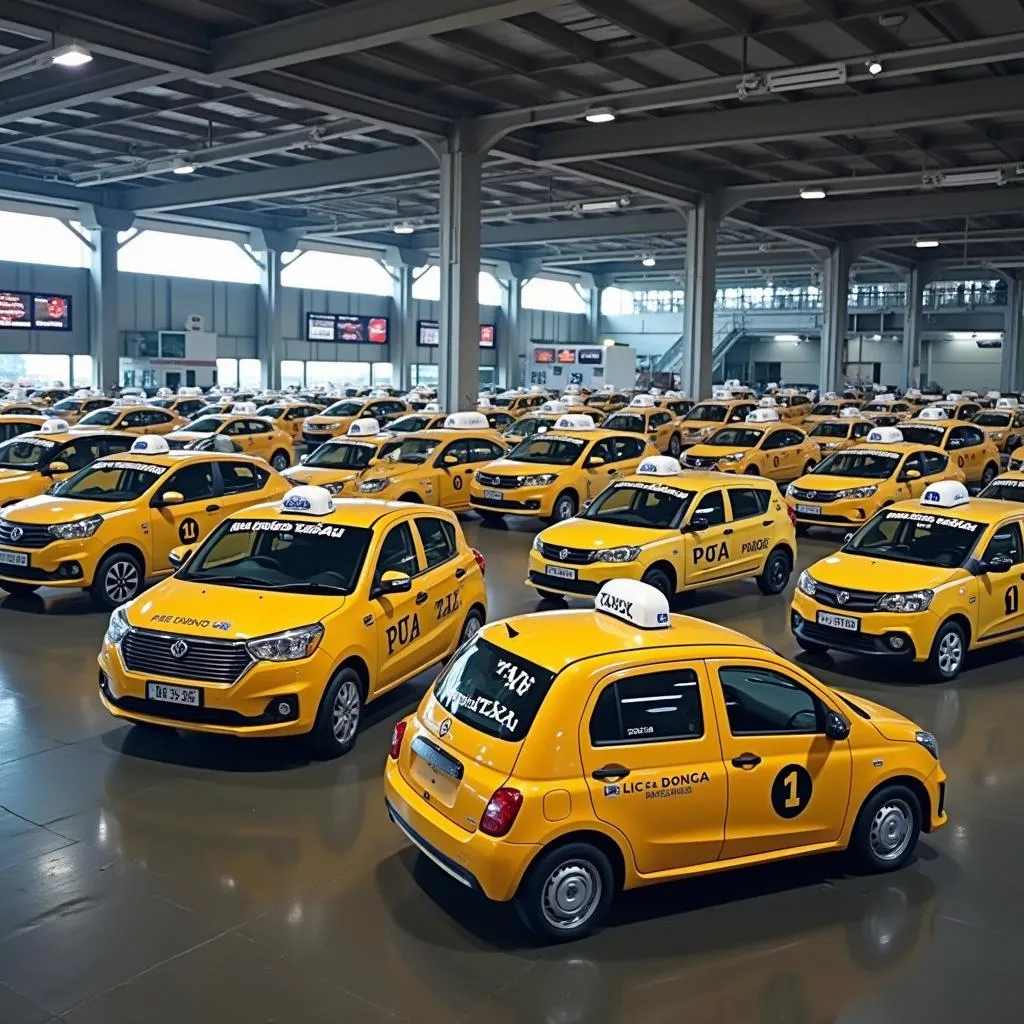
(163, 403)
(708, 413)
(825, 410)
(214, 410)
(494, 691)
(548, 449)
(100, 418)
(878, 465)
(790, 400)
(1004, 490)
(528, 425)
(412, 449)
(625, 421)
(272, 554)
(109, 480)
(343, 455)
(409, 424)
(343, 409)
(916, 433)
(206, 425)
(502, 403)
(653, 506)
(830, 430)
(735, 437)
(25, 452)
(918, 537)
(992, 419)
(270, 411)
(68, 405)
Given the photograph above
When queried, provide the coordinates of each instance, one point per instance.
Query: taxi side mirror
(997, 564)
(596, 461)
(57, 467)
(912, 474)
(449, 460)
(170, 498)
(392, 583)
(697, 523)
(302, 460)
(848, 537)
(836, 727)
(179, 556)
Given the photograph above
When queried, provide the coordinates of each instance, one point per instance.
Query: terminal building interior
(511, 511)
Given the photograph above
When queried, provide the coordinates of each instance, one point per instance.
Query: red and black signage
(27, 311)
(347, 328)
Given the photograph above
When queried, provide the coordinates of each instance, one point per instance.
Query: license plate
(847, 622)
(442, 788)
(190, 696)
(809, 510)
(13, 558)
(557, 570)
(493, 495)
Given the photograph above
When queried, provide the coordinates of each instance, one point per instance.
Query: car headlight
(536, 542)
(333, 488)
(1015, 464)
(76, 530)
(118, 627)
(807, 584)
(541, 480)
(617, 555)
(855, 492)
(928, 741)
(291, 645)
(372, 486)
(735, 457)
(912, 601)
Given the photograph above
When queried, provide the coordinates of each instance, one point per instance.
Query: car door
(442, 613)
(912, 488)
(187, 522)
(999, 604)
(706, 550)
(966, 443)
(241, 485)
(653, 765)
(397, 618)
(789, 784)
(597, 477)
(452, 482)
(777, 459)
(748, 531)
(659, 430)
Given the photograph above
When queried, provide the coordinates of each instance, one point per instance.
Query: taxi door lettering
(717, 552)
(1011, 600)
(448, 605)
(403, 632)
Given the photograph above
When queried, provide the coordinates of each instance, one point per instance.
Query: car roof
(698, 479)
(355, 512)
(984, 510)
(77, 433)
(903, 447)
(178, 456)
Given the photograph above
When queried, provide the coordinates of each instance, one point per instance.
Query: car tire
(751, 471)
(948, 653)
(675, 446)
(775, 575)
(659, 579)
(340, 714)
(566, 893)
(415, 499)
(887, 829)
(118, 580)
(810, 646)
(565, 507)
(18, 589)
(473, 624)
(991, 472)
(280, 461)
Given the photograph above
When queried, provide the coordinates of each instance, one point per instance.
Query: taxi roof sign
(885, 435)
(1006, 403)
(721, 394)
(575, 422)
(830, 396)
(466, 421)
(558, 408)
(634, 602)
(953, 396)
(367, 426)
(573, 389)
(432, 407)
(484, 403)
(988, 394)
(850, 410)
(946, 494)
(912, 393)
(660, 465)
(54, 426)
(642, 402)
(767, 402)
(244, 407)
(762, 416)
(933, 412)
(151, 444)
(308, 501)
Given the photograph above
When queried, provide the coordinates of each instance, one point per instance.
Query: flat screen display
(25, 311)
(347, 328)
(567, 355)
(543, 355)
(590, 356)
(428, 334)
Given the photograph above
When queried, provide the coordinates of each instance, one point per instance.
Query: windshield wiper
(213, 577)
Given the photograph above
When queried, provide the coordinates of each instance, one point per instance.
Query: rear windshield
(1004, 490)
(915, 433)
(830, 430)
(496, 692)
(707, 413)
(992, 419)
(625, 421)
(735, 437)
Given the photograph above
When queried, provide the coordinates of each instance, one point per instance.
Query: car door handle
(612, 472)
(766, 522)
(421, 597)
(459, 573)
(727, 531)
(746, 761)
(610, 771)
(213, 508)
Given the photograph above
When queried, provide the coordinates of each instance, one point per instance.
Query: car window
(133, 419)
(711, 507)
(438, 539)
(601, 450)
(660, 419)
(115, 445)
(648, 708)
(156, 418)
(915, 462)
(397, 553)
(760, 700)
(458, 450)
(78, 454)
(965, 437)
(195, 482)
(934, 463)
(747, 502)
(862, 429)
(258, 427)
(775, 440)
(241, 476)
(1006, 541)
(482, 450)
(629, 448)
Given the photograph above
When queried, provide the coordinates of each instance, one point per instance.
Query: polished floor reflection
(175, 878)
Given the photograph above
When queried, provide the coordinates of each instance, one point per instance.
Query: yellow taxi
(71, 410)
(970, 449)
(606, 401)
(539, 421)
(793, 406)
(886, 410)
(288, 417)
(339, 463)
(959, 407)
(675, 401)
(763, 445)
(186, 403)
(674, 530)
(429, 417)
(842, 431)
(47, 396)
(497, 419)
(1003, 425)
(130, 417)
(1007, 486)
(953, 568)
(434, 467)
(552, 475)
(562, 757)
(252, 434)
(23, 409)
(515, 403)
(292, 616)
(706, 417)
(829, 408)
(12, 426)
(643, 416)
(31, 462)
(113, 524)
(335, 419)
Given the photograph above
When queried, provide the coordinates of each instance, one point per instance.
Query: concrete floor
(203, 880)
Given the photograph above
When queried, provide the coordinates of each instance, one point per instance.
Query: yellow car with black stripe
(674, 530)
(342, 460)
(924, 581)
(643, 416)
(113, 524)
(292, 617)
(968, 446)
(249, 433)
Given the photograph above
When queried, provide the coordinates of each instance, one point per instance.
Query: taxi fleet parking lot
(258, 854)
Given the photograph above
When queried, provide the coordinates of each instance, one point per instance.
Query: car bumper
(833, 513)
(526, 501)
(935, 784)
(66, 563)
(587, 579)
(249, 707)
(493, 867)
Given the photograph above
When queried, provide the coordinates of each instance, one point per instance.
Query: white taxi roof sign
(988, 394)
(558, 408)
(659, 465)
(244, 407)
(432, 407)
(830, 396)
(54, 426)
(762, 416)
(151, 445)
(164, 392)
(642, 402)
(573, 389)
(308, 501)
(733, 383)
(575, 422)
(849, 411)
(466, 421)
(953, 396)
(933, 412)
(484, 403)
(536, 389)
(885, 435)
(721, 394)
(1006, 403)
(883, 398)
(946, 494)
(634, 602)
(767, 402)
(367, 426)
(912, 393)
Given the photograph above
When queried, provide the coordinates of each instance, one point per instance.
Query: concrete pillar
(459, 350)
(699, 312)
(511, 347)
(1012, 365)
(594, 314)
(910, 376)
(269, 340)
(835, 286)
(105, 346)
(403, 336)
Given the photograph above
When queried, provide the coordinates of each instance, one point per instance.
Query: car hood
(594, 536)
(879, 575)
(508, 467)
(891, 724)
(319, 475)
(328, 421)
(717, 451)
(45, 509)
(226, 613)
(825, 482)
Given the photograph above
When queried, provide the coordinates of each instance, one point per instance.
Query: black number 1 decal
(1011, 600)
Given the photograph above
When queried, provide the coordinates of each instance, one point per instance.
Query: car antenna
(512, 633)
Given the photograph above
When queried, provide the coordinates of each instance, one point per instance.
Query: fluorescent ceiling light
(649, 261)
(875, 67)
(790, 80)
(71, 56)
(599, 205)
(926, 243)
(812, 193)
(786, 337)
(403, 229)
(184, 169)
(599, 115)
(958, 179)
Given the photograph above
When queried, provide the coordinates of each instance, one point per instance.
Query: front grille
(27, 535)
(545, 582)
(207, 661)
(700, 461)
(855, 600)
(570, 556)
(489, 480)
(799, 494)
(847, 640)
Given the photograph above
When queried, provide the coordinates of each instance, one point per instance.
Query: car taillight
(481, 561)
(792, 513)
(501, 812)
(396, 738)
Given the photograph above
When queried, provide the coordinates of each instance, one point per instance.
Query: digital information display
(567, 355)
(344, 327)
(27, 311)
(428, 334)
(544, 355)
(590, 356)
